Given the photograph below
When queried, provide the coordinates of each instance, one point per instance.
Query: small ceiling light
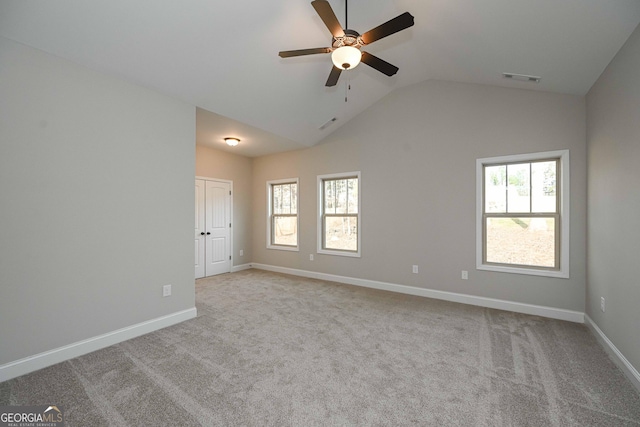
(232, 142)
(346, 57)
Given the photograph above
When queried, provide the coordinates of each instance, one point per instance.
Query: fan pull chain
(347, 88)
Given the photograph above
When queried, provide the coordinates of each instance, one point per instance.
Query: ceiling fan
(346, 44)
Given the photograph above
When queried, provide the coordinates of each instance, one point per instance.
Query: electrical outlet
(602, 304)
(241, 252)
(465, 275)
(415, 269)
(166, 290)
(310, 257)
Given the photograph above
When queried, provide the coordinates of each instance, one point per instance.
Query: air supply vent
(522, 77)
(328, 123)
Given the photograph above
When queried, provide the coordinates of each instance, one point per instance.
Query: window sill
(528, 271)
(284, 248)
(339, 253)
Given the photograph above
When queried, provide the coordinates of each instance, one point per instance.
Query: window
(282, 223)
(523, 214)
(339, 214)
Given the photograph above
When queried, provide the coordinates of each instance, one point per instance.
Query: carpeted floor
(277, 350)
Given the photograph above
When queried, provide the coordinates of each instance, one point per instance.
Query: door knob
(208, 233)
(202, 234)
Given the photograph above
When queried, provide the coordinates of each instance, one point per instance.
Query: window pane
(518, 188)
(352, 203)
(294, 198)
(286, 198)
(285, 230)
(543, 186)
(277, 199)
(329, 196)
(341, 196)
(341, 233)
(495, 188)
(522, 241)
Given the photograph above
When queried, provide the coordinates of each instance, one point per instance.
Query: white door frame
(226, 181)
(200, 239)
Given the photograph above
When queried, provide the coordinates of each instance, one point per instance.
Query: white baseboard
(241, 267)
(51, 357)
(615, 354)
(550, 312)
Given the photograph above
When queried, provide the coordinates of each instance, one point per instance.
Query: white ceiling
(223, 56)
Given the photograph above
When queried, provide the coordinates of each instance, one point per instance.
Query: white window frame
(563, 211)
(270, 244)
(321, 179)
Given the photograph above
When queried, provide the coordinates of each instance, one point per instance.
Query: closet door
(217, 227)
(200, 229)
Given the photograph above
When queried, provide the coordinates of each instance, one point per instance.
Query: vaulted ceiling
(223, 56)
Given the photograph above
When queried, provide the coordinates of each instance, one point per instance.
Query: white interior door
(200, 229)
(217, 227)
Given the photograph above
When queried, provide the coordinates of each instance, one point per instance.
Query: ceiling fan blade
(379, 64)
(334, 76)
(301, 52)
(328, 17)
(396, 24)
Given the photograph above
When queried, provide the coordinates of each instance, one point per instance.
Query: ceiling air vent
(522, 77)
(327, 124)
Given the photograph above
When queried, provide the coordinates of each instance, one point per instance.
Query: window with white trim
(282, 208)
(523, 214)
(339, 214)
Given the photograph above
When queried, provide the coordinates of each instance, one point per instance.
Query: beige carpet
(271, 349)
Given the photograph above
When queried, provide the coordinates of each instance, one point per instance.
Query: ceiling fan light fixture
(232, 142)
(346, 57)
(345, 44)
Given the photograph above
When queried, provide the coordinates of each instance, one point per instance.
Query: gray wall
(212, 163)
(417, 149)
(96, 203)
(613, 143)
